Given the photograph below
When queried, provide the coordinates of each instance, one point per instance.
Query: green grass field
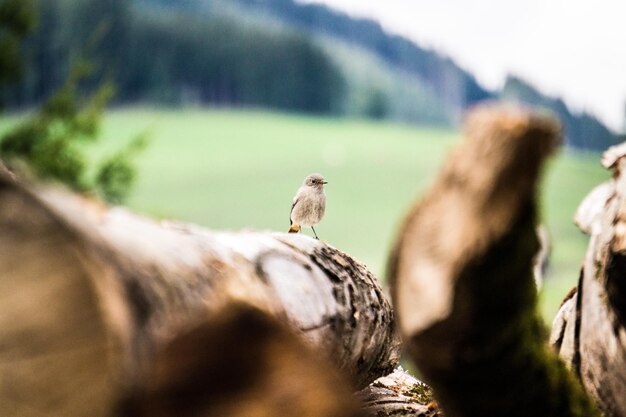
(240, 169)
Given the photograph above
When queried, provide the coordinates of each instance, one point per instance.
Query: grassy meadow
(240, 169)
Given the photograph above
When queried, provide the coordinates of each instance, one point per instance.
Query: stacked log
(90, 296)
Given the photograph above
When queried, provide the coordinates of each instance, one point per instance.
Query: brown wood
(56, 356)
(589, 330)
(88, 294)
(241, 362)
(398, 394)
(462, 276)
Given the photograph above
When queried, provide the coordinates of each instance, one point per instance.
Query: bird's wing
(295, 200)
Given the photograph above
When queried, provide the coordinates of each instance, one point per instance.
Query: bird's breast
(309, 208)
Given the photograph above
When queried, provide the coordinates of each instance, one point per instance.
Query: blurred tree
(582, 131)
(377, 106)
(17, 18)
(116, 174)
(49, 143)
(67, 30)
(48, 139)
(624, 119)
(176, 57)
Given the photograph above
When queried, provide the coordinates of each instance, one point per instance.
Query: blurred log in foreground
(241, 362)
(590, 329)
(462, 276)
(90, 296)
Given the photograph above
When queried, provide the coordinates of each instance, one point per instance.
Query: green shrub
(51, 142)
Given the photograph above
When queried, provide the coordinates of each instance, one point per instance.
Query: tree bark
(89, 295)
(462, 282)
(398, 394)
(589, 330)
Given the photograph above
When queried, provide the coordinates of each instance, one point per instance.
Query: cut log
(89, 294)
(398, 394)
(589, 331)
(241, 362)
(462, 282)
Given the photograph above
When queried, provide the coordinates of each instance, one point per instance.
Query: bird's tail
(295, 228)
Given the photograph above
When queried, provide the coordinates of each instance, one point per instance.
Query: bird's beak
(324, 182)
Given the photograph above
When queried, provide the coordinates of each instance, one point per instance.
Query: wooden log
(89, 294)
(241, 362)
(462, 282)
(398, 394)
(589, 331)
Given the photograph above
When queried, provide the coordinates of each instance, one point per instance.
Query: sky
(574, 49)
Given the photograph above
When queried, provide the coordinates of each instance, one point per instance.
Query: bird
(309, 204)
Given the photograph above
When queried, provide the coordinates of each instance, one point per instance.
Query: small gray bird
(309, 204)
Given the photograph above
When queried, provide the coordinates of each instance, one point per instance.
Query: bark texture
(589, 330)
(462, 276)
(398, 395)
(89, 295)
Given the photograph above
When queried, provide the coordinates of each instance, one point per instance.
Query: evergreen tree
(49, 143)
(17, 18)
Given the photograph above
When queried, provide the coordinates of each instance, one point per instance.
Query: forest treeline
(455, 88)
(260, 53)
(153, 54)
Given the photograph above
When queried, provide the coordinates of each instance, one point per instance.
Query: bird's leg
(315, 233)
